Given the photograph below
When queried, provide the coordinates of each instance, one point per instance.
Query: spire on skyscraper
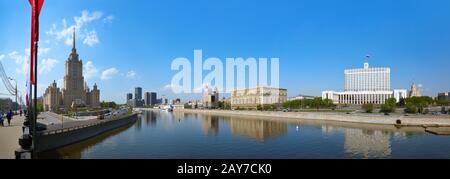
(74, 47)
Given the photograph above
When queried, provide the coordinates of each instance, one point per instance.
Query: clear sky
(125, 44)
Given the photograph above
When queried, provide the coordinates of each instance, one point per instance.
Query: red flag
(34, 34)
(41, 2)
(33, 37)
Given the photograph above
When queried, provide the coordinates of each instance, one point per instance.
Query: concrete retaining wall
(49, 141)
(379, 119)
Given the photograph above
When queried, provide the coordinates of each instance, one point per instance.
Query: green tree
(187, 106)
(401, 103)
(220, 104)
(420, 103)
(287, 104)
(317, 103)
(40, 107)
(368, 108)
(259, 107)
(104, 104)
(227, 105)
(389, 106)
(328, 103)
(293, 104)
(410, 108)
(309, 103)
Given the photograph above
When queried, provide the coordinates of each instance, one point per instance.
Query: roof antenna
(366, 62)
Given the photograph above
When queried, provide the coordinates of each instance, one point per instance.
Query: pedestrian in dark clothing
(9, 116)
(1, 119)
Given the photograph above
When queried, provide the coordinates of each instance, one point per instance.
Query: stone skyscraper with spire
(75, 92)
(415, 91)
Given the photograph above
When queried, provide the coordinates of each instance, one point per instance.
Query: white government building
(366, 86)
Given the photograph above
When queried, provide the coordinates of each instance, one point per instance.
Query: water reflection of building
(178, 116)
(367, 143)
(210, 125)
(328, 129)
(257, 129)
(138, 125)
(150, 118)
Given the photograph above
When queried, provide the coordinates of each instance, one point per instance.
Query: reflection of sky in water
(178, 135)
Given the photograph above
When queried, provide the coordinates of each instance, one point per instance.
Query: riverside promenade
(54, 121)
(60, 131)
(9, 137)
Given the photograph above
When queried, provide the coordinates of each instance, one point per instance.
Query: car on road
(287, 110)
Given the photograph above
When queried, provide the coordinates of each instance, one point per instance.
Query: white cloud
(167, 87)
(22, 61)
(1, 57)
(90, 70)
(41, 51)
(91, 38)
(64, 34)
(131, 74)
(87, 17)
(109, 73)
(47, 65)
(81, 23)
(108, 20)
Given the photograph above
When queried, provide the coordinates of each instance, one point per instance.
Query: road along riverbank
(430, 122)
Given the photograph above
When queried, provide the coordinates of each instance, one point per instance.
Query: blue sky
(132, 43)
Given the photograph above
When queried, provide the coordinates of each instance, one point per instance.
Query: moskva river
(164, 135)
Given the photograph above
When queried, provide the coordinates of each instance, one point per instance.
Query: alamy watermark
(237, 73)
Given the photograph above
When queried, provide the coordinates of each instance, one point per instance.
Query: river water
(163, 135)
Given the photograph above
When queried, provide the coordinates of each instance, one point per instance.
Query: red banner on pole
(40, 3)
(34, 34)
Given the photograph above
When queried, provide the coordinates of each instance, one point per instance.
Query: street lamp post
(15, 91)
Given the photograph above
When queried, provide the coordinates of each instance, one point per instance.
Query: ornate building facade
(75, 92)
(251, 98)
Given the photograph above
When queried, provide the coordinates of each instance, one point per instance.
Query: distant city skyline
(128, 45)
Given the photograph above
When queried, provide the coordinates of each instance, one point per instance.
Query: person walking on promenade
(9, 116)
(20, 112)
(1, 119)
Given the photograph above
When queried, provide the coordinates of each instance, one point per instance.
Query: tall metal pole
(17, 104)
(30, 114)
(36, 11)
(15, 91)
